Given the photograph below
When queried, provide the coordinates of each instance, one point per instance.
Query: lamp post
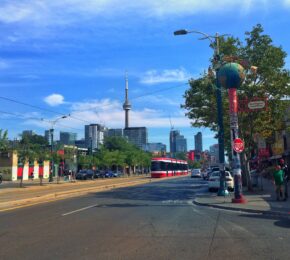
(231, 76)
(51, 130)
(214, 40)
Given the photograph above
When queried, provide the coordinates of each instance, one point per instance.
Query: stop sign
(238, 145)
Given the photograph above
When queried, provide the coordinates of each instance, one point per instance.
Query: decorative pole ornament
(230, 76)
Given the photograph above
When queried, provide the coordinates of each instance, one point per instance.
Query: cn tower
(126, 105)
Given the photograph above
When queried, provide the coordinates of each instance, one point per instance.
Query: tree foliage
(3, 140)
(271, 81)
(116, 152)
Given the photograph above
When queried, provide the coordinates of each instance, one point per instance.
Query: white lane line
(78, 210)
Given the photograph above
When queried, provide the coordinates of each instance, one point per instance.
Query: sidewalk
(32, 194)
(261, 200)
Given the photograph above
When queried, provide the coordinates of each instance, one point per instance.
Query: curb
(4, 206)
(54, 196)
(255, 211)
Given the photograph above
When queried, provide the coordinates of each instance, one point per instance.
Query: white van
(196, 173)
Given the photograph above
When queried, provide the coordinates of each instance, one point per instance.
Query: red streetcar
(167, 167)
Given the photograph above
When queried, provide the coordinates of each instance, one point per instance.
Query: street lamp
(51, 130)
(214, 40)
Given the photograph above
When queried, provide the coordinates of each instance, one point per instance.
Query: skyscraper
(67, 138)
(198, 142)
(114, 132)
(214, 153)
(94, 135)
(137, 136)
(177, 142)
(47, 136)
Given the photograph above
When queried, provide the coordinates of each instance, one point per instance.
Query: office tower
(67, 138)
(177, 142)
(94, 135)
(137, 136)
(198, 142)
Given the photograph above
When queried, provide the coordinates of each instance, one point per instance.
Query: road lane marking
(78, 210)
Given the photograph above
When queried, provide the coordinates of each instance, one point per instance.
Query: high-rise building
(198, 142)
(155, 148)
(114, 132)
(137, 136)
(94, 135)
(81, 143)
(47, 136)
(177, 142)
(67, 138)
(214, 153)
(27, 133)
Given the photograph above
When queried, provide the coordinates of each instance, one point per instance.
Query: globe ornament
(231, 75)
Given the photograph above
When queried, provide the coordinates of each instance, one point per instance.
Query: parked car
(214, 181)
(99, 174)
(109, 174)
(117, 174)
(210, 171)
(85, 174)
(196, 173)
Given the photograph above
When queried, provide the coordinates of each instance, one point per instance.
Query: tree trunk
(247, 172)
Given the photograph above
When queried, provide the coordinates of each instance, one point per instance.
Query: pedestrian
(32, 176)
(285, 169)
(278, 180)
(69, 175)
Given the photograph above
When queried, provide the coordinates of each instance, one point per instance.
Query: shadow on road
(281, 221)
(159, 191)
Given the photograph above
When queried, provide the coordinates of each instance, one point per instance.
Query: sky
(69, 57)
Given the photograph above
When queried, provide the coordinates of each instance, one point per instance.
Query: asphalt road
(151, 221)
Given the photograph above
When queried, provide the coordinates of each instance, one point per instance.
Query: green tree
(271, 81)
(3, 140)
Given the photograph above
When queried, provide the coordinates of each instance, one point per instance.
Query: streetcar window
(155, 166)
(158, 166)
(163, 166)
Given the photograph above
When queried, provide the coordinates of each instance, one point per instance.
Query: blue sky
(70, 57)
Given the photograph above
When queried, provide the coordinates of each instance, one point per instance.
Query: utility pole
(214, 40)
(51, 132)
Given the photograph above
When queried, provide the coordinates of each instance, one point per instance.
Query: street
(149, 221)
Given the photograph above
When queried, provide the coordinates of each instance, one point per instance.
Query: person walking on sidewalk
(278, 180)
(285, 169)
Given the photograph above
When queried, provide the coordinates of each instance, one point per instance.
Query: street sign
(238, 145)
(259, 104)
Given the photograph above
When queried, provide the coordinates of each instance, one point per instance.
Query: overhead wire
(34, 118)
(80, 119)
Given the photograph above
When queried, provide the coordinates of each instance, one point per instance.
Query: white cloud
(286, 3)
(54, 100)
(155, 77)
(66, 11)
(110, 113)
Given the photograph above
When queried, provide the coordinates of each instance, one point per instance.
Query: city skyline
(73, 61)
